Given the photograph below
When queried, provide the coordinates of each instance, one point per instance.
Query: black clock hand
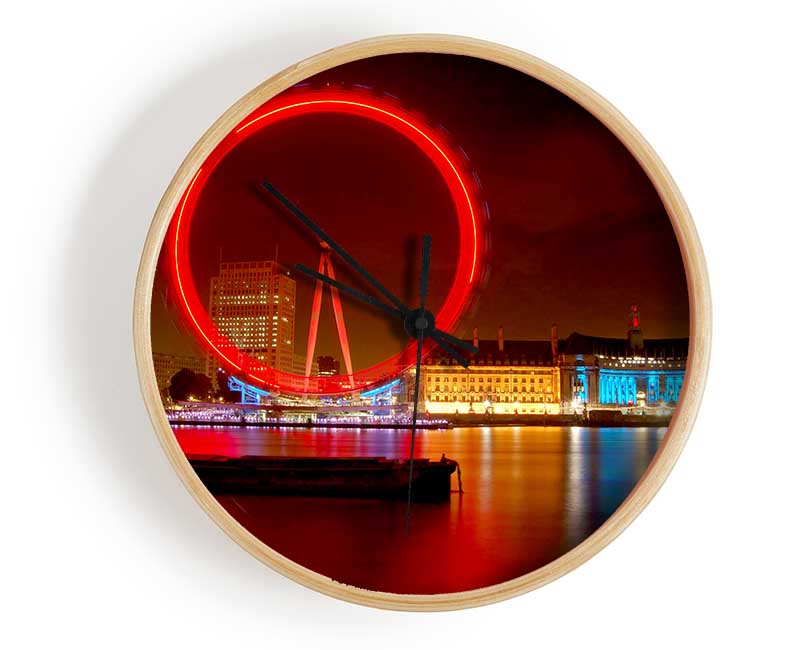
(418, 320)
(291, 207)
(348, 290)
(425, 269)
(421, 324)
(436, 336)
(439, 335)
(403, 310)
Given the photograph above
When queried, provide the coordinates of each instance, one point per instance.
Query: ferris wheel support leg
(340, 326)
(316, 305)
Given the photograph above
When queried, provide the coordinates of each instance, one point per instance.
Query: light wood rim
(699, 303)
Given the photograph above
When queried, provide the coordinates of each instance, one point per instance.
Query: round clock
(422, 322)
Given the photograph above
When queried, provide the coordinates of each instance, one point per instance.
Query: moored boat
(375, 477)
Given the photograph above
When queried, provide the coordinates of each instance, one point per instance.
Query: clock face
(300, 356)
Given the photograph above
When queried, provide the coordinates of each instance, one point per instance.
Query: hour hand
(446, 341)
(464, 345)
(439, 336)
(355, 293)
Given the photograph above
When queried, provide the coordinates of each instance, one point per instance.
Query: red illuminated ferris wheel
(451, 165)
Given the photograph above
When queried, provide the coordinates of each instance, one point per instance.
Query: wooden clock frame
(696, 278)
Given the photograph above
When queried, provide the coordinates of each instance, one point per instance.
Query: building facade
(610, 373)
(504, 377)
(299, 366)
(253, 305)
(557, 375)
(166, 365)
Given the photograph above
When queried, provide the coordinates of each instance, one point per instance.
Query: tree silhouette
(187, 384)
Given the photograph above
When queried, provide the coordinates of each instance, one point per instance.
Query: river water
(530, 495)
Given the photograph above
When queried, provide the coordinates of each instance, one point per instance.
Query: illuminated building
(504, 377)
(299, 365)
(610, 372)
(166, 365)
(327, 366)
(253, 305)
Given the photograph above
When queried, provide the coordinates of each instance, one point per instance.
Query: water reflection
(530, 494)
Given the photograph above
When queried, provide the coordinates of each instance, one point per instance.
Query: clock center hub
(419, 321)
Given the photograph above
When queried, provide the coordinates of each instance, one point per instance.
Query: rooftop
(523, 353)
(577, 343)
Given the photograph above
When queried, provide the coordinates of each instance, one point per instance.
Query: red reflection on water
(530, 494)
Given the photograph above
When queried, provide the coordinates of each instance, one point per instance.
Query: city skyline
(185, 345)
(541, 353)
(577, 231)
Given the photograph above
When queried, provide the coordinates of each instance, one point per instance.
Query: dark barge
(372, 478)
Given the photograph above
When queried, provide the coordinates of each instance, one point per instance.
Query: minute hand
(291, 207)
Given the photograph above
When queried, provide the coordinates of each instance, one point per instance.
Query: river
(530, 495)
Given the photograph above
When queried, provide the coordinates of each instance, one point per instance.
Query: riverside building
(610, 373)
(504, 377)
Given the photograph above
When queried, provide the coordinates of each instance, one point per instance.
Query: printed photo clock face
(419, 323)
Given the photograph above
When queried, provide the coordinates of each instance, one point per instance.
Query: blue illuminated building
(633, 371)
(625, 387)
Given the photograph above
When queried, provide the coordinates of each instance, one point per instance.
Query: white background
(103, 547)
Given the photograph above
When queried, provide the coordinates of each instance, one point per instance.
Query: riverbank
(599, 418)
(422, 424)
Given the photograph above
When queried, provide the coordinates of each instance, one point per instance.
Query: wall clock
(422, 322)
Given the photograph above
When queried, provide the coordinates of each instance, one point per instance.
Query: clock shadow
(92, 306)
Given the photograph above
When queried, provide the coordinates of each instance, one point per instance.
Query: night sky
(577, 231)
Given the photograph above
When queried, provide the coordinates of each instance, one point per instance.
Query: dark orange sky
(577, 231)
